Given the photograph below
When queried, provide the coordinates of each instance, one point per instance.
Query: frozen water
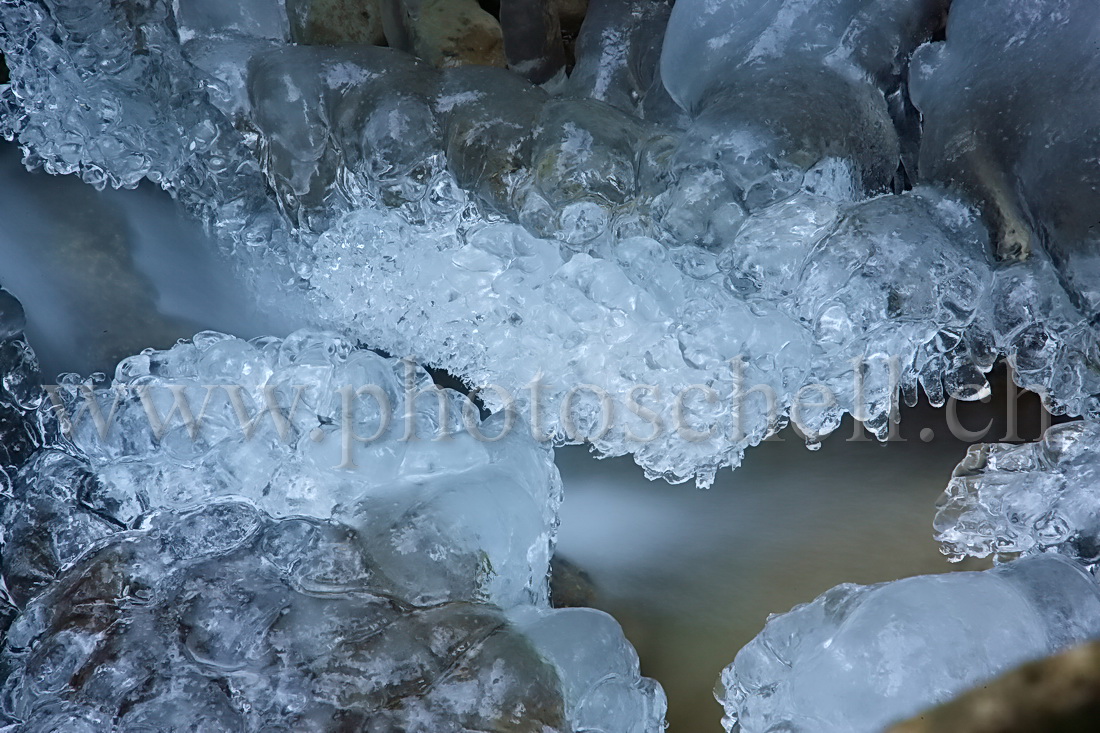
(775, 87)
(1009, 106)
(494, 229)
(709, 43)
(264, 563)
(861, 657)
(224, 619)
(673, 283)
(20, 392)
(1006, 500)
(618, 52)
(280, 425)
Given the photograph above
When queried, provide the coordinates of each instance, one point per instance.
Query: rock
(1059, 694)
(332, 22)
(570, 14)
(570, 586)
(532, 38)
(444, 33)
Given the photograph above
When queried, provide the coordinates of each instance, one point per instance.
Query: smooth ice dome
(228, 568)
(1008, 104)
(861, 657)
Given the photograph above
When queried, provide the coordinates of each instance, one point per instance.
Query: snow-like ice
(495, 229)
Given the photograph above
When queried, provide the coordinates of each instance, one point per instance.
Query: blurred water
(105, 274)
(692, 575)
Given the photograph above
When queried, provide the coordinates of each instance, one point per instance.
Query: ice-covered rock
(444, 33)
(222, 618)
(1052, 693)
(336, 21)
(1007, 500)
(532, 38)
(777, 87)
(618, 52)
(1009, 106)
(294, 535)
(861, 657)
(310, 426)
(708, 44)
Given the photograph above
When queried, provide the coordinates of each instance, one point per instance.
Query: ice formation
(731, 215)
(1009, 106)
(861, 657)
(278, 556)
(601, 233)
(1007, 500)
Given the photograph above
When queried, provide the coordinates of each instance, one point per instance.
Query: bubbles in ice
(604, 235)
(1006, 500)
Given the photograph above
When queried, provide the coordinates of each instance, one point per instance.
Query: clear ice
(1009, 500)
(598, 233)
(244, 570)
(858, 658)
(724, 199)
(861, 657)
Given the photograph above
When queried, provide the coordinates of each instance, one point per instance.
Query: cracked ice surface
(504, 233)
(246, 577)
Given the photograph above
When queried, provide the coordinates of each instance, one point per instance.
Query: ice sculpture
(861, 657)
(286, 556)
(1007, 500)
(508, 234)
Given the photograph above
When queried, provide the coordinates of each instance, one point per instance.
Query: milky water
(105, 274)
(692, 575)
